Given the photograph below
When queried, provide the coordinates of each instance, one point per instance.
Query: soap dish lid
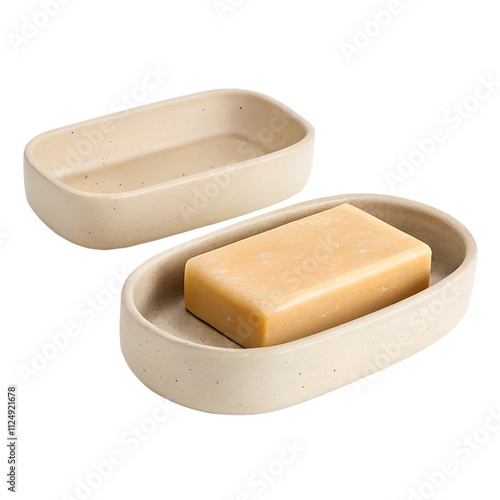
(168, 167)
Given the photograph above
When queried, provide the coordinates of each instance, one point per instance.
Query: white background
(377, 440)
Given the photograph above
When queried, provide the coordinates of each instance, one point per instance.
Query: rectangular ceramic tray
(187, 361)
(168, 167)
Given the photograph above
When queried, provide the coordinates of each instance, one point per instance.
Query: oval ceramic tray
(185, 360)
(168, 167)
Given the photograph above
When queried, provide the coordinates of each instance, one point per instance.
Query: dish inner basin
(159, 291)
(167, 142)
(166, 165)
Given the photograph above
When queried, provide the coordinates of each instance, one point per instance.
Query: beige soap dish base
(186, 361)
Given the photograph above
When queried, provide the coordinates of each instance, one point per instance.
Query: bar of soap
(306, 276)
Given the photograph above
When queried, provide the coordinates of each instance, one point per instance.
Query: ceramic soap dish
(186, 361)
(165, 168)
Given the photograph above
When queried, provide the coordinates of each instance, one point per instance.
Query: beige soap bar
(306, 276)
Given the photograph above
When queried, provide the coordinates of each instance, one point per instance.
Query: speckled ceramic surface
(185, 360)
(168, 167)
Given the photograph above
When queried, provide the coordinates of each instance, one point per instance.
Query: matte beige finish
(305, 276)
(168, 167)
(185, 360)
